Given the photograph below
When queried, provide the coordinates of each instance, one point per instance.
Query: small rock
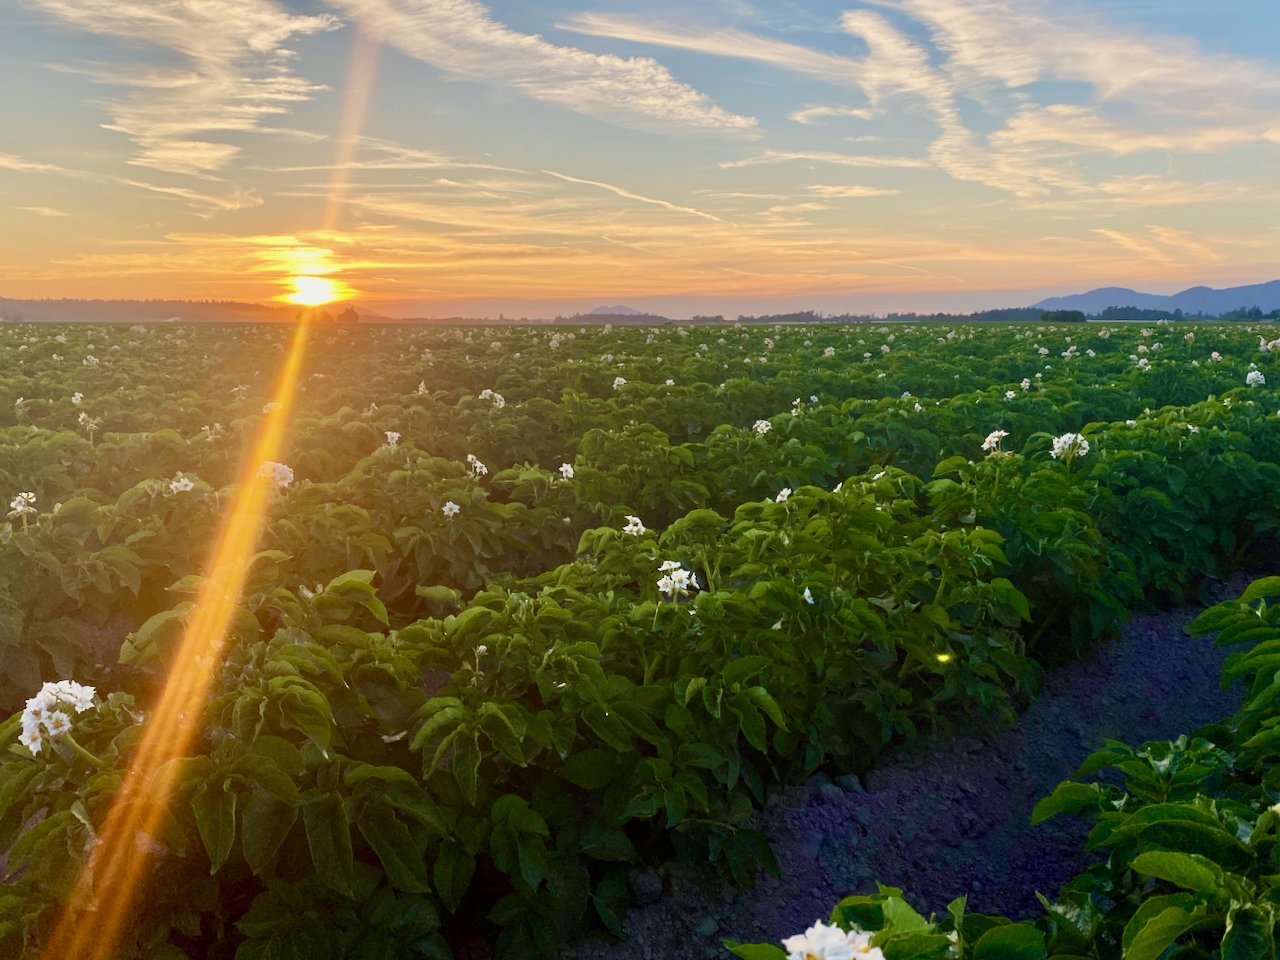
(830, 793)
(707, 927)
(849, 783)
(646, 885)
(817, 781)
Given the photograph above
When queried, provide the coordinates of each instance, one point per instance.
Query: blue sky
(450, 156)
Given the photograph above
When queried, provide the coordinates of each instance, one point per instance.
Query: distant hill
(153, 311)
(616, 312)
(1201, 300)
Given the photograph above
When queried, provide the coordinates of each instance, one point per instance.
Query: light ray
(106, 892)
(109, 884)
(364, 65)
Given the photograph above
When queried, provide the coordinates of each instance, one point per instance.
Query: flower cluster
(619, 382)
(475, 469)
(1069, 446)
(992, 443)
(180, 483)
(762, 427)
(42, 718)
(24, 504)
(277, 473)
(634, 527)
(1254, 378)
(675, 580)
(498, 399)
(821, 942)
(393, 437)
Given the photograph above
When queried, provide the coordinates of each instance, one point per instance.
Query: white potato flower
(24, 504)
(762, 427)
(277, 473)
(393, 437)
(821, 942)
(1254, 378)
(450, 509)
(180, 483)
(992, 443)
(43, 717)
(634, 527)
(783, 495)
(1069, 445)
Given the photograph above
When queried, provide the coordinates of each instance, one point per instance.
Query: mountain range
(1202, 300)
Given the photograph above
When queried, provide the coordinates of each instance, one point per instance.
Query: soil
(950, 816)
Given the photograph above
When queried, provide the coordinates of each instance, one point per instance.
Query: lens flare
(108, 886)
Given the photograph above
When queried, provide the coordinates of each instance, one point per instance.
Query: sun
(313, 291)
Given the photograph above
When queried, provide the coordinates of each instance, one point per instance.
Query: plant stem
(85, 754)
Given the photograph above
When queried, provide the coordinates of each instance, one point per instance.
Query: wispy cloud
(771, 157)
(629, 195)
(849, 191)
(813, 113)
(236, 72)
(1135, 244)
(44, 211)
(204, 204)
(461, 38)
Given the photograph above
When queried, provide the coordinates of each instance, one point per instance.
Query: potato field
(533, 608)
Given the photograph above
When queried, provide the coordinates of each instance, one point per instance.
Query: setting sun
(313, 291)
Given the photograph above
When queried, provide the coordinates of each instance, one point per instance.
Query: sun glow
(314, 291)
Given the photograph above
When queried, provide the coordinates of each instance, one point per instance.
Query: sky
(459, 157)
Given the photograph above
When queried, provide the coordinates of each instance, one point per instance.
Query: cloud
(629, 195)
(44, 211)
(738, 44)
(462, 39)
(849, 191)
(772, 157)
(812, 114)
(1131, 242)
(1017, 43)
(236, 72)
(205, 205)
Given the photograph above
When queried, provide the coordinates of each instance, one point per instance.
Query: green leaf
(1250, 934)
(215, 809)
(1013, 941)
(466, 763)
(452, 871)
(1067, 797)
(739, 670)
(395, 848)
(329, 838)
(1149, 937)
(590, 769)
(265, 824)
(1262, 587)
(1187, 870)
(915, 945)
(767, 705)
(754, 951)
